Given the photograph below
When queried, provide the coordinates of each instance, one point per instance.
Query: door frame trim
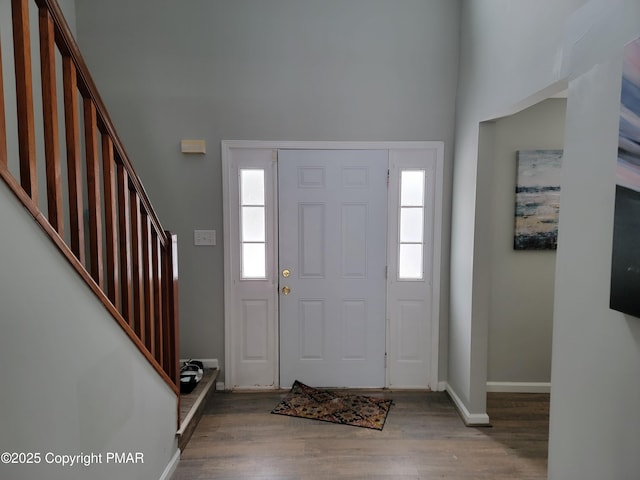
(228, 145)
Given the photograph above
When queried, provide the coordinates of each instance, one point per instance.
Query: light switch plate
(204, 237)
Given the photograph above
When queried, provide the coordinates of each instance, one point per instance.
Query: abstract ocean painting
(537, 199)
(625, 264)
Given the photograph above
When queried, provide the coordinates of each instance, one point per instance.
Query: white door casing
(332, 244)
(251, 305)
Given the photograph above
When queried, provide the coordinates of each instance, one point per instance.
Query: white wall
(514, 54)
(72, 381)
(250, 69)
(596, 351)
(521, 281)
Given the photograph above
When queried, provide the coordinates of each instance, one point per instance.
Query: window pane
(411, 224)
(410, 262)
(252, 187)
(412, 188)
(253, 260)
(253, 224)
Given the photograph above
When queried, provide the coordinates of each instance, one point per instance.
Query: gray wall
(513, 55)
(521, 282)
(72, 381)
(250, 69)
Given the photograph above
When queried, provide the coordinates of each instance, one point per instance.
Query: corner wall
(506, 65)
(515, 54)
(595, 426)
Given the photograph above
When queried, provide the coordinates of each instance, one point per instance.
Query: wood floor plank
(424, 438)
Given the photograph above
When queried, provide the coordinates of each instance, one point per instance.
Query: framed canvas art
(625, 261)
(537, 199)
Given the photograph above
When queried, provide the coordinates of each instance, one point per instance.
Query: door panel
(250, 243)
(311, 239)
(332, 238)
(255, 327)
(413, 337)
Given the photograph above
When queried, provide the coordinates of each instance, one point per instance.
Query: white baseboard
(469, 419)
(206, 362)
(442, 386)
(519, 387)
(171, 466)
(219, 386)
(266, 388)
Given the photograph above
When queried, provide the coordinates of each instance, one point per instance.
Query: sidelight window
(252, 224)
(411, 232)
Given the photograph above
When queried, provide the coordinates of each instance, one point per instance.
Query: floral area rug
(356, 410)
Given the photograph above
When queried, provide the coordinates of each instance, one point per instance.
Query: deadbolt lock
(286, 272)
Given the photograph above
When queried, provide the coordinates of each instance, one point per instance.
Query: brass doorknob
(286, 290)
(286, 272)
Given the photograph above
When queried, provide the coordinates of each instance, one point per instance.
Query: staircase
(93, 207)
(62, 160)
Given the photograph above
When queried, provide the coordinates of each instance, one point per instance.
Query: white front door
(332, 215)
(330, 329)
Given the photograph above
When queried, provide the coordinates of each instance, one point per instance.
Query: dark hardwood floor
(424, 438)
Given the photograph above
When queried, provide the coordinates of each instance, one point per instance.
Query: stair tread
(192, 404)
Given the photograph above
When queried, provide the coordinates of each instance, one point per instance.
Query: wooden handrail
(127, 259)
